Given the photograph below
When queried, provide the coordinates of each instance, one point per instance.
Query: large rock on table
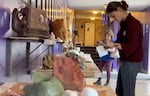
(68, 72)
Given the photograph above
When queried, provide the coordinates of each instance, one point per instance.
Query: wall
(143, 17)
(149, 56)
(99, 29)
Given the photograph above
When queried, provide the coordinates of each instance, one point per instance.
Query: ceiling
(134, 5)
(87, 14)
(84, 8)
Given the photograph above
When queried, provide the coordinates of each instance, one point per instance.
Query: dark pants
(127, 78)
(107, 65)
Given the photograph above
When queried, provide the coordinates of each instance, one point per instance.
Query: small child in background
(106, 61)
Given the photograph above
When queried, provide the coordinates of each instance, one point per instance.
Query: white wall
(9, 4)
(149, 55)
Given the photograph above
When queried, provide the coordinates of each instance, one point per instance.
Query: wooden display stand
(102, 90)
(48, 72)
(87, 73)
(91, 70)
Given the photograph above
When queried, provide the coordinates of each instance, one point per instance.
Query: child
(106, 61)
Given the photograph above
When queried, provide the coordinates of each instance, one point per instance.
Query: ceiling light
(105, 6)
(102, 12)
(95, 12)
(92, 18)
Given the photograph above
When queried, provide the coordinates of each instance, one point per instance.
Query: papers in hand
(101, 51)
(115, 54)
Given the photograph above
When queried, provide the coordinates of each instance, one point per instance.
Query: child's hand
(106, 47)
(113, 49)
(109, 43)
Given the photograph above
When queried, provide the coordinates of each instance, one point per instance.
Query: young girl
(106, 61)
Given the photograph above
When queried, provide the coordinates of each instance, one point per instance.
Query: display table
(17, 87)
(90, 69)
(103, 90)
(88, 73)
(6, 88)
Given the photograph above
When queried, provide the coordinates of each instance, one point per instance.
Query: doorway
(89, 34)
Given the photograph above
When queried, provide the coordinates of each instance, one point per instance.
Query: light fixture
(95, 12)
(105, 6)
(102, 12)
(92, 18)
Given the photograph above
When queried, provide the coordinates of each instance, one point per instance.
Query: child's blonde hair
(110, 32)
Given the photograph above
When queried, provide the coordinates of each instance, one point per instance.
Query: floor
(142, 86)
